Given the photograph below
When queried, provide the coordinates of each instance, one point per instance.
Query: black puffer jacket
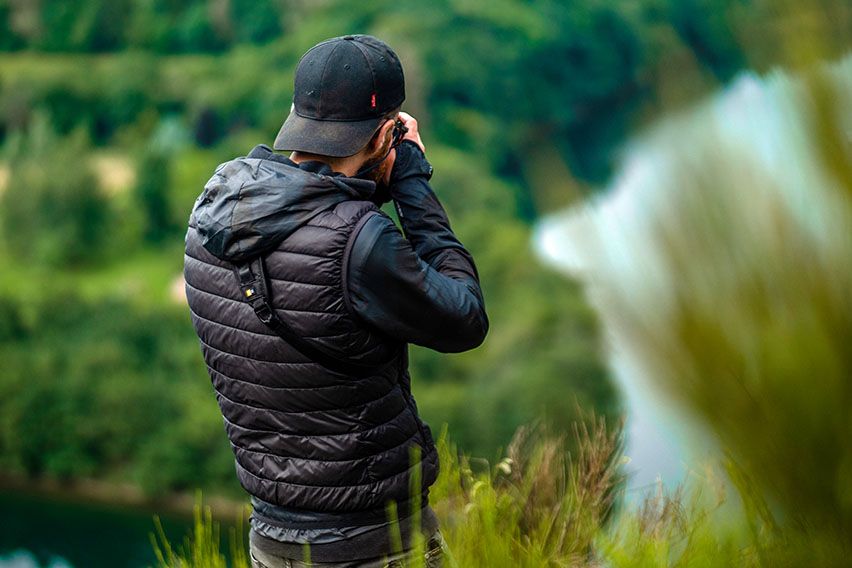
(306, 437)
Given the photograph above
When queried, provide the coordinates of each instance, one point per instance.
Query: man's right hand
(407, 161)
(413, 134)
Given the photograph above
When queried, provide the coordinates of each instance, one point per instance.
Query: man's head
(347, 92)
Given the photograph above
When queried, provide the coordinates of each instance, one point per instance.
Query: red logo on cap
(373, 100)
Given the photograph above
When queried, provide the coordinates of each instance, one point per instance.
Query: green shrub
(153, 185)
(104, 388)
(52, 211)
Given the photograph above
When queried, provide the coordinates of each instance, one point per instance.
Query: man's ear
(381, 136)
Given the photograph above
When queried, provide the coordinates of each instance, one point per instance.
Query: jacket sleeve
(423, 289)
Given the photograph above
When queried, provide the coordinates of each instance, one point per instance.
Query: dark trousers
(433, 558)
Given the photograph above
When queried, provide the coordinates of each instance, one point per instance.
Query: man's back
(303, 436)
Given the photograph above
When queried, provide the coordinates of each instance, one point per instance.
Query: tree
(52, 211)
(151, 194)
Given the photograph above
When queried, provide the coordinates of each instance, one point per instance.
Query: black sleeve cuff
(410, 161)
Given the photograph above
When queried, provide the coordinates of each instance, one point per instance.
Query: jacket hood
(254, 202)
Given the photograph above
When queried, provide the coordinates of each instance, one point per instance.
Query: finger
(407, 118)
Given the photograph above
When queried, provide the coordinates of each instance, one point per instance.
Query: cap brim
(333, 138)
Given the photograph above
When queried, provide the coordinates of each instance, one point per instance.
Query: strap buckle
(252, 288)
(263, 311)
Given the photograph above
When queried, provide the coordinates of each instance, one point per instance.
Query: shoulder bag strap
(254, 289)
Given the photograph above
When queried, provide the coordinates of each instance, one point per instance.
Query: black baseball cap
(343, 89)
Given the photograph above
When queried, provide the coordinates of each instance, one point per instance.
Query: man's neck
(347, 166)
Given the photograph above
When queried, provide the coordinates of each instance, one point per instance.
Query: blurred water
(40, 532)
(26, 559)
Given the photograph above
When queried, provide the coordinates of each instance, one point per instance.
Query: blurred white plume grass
(720, 261)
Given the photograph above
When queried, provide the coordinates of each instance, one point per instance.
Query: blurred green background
(114, 113)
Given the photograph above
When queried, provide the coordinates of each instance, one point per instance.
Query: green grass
(541, 507)
(201, 546)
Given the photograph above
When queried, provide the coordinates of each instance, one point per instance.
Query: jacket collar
(360, 188)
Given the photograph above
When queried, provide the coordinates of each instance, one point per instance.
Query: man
(310, 362)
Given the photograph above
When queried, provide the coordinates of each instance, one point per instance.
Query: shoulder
(377, 246)
(344, 216)
(374, 226)
(352, 211)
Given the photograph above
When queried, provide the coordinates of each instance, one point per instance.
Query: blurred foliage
(109, 390)
(152, 190)
(52, 211)
(497, 78)
(769, 346)
(742, 211)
